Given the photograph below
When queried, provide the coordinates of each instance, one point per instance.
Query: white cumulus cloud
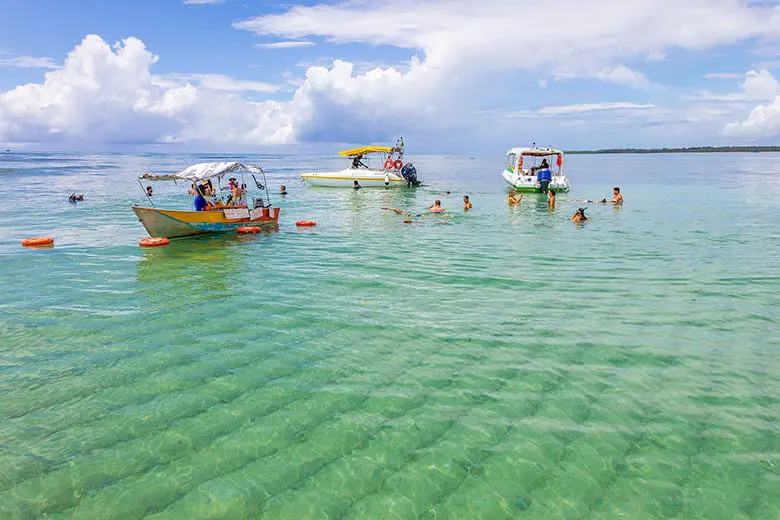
(110, 94)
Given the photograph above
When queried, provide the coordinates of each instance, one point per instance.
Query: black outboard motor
(409, 172)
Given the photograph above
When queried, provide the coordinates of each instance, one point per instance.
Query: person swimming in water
(356, 185)
(551, 200)
(512, 200)
(579, 215)
(76, 197)
(436, 207)
(466, 203)
(149, 191)
(282, 190)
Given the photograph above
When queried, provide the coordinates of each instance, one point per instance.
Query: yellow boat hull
(170, 223)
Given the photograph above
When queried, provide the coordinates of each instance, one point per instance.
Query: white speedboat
(532, 170)
(371, 167)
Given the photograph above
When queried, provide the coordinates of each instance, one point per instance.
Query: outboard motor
(544, 177)
(409, 172)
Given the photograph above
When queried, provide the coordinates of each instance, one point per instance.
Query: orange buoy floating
(248, 229)
(38, 242)
(305, 223)
(153, 242)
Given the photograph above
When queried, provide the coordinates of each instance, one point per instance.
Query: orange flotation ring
(153, 242)
(305, 223)
(398, 164)
(248, 229)
(38, 242)
(389, 164)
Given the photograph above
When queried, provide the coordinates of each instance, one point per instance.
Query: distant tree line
(692, 149)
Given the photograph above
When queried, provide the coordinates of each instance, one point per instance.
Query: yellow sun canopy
(365, 150)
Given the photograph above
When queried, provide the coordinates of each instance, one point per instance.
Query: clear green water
(501, 364)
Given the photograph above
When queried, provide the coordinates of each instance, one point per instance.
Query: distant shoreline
(693, 149)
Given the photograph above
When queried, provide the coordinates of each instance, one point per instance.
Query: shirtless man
(466, 203)
(436, 207)
(512, 200)
(617, 198)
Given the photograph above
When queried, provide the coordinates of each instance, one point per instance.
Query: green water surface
(504, 363)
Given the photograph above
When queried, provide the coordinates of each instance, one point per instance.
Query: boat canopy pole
(145, 192)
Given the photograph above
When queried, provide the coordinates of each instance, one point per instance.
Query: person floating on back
(579, 215)
(436, 207)
(466, 203)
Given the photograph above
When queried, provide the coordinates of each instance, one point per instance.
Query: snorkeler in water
(579, 215)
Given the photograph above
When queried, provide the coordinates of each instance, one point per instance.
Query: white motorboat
(531, 170)
(370, 167)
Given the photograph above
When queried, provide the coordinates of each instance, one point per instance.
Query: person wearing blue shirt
(200, 200)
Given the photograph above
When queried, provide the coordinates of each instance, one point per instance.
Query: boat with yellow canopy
(217, 210)
(370, 167)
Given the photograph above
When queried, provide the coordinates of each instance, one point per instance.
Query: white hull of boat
(346, 178)
(530, 184)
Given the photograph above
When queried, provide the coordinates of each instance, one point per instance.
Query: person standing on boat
(357, 162)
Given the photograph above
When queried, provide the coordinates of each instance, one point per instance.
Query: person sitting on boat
(200, 200)
(544, 164)
(579, 215)
(355, 185)
(357, 162)
(436, 207)
(514, 201)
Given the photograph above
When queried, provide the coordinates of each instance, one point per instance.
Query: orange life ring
(248, 229)
(153, 242)
(398, 164)
(305, 223)
(389, 164)
(38, 242)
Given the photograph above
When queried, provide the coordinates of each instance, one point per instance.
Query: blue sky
(450, 76)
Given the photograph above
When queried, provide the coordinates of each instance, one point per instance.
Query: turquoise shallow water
(504, 363)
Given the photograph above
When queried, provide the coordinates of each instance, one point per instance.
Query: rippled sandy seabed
(504, 363)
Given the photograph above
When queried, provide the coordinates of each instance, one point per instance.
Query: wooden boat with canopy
(218, 210)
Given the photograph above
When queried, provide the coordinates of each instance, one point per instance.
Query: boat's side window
(511, 161)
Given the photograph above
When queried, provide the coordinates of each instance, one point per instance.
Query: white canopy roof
(536, 152)
(203, 171)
